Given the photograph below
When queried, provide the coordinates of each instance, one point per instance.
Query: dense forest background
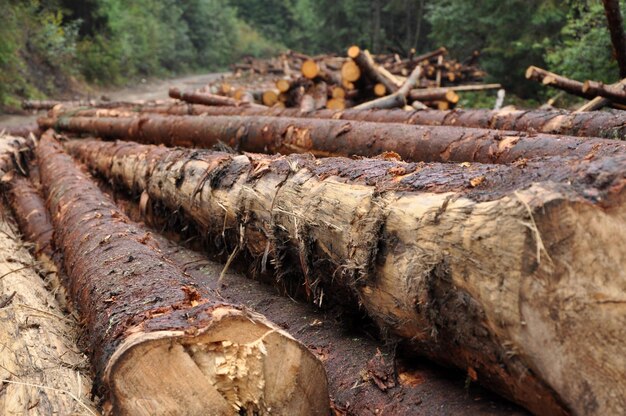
(52, 46)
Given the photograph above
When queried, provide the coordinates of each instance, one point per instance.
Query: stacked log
(450, 290)
(212, 354)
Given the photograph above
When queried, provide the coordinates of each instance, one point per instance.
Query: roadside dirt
(151, 90)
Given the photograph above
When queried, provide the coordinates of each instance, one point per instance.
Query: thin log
(50, 104)
(434, 94)
(614, 92)
(469, 302)
(204, 98)
(42, 371)
(557, 81)
(140, 309)
(616, 29)
(398, 98)
(339, 138)
(608, 124)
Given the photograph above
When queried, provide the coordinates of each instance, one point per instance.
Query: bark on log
(557, 81)
(434, 94)
(614, 92)
(466, 262)
(211, 355)
(616, 28)
(41, 370)
(340, 138)
(207, 99)
(22, 130)
(398, 98)
(365, 376)
(50, 104)
(607, 124)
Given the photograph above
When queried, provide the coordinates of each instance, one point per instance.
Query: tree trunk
(557, 81)
(365, 376)
(616, 28)
(435, 94)
(41, 370)
(611, 125)
(465, 262)
(140, 309)
(22, 130)
(340, 138)
(614, 92)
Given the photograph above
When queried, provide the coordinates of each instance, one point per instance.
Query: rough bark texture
(139, 308)
(485, 267)
(614, 92)
(340, 138)
(616, 28)
(23, 130)
(606, 124)
(369, 69)
(365, 377)
(41, 370)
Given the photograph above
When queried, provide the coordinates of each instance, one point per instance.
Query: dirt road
(151, 90)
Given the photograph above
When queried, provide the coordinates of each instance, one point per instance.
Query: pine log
(616, 29)
(369, 68)
(606, 124)
(204, 98)
(487, 267)
(41, 370)
(398, 98)
(50, 104)
(140, 309)
(614, 92)
(340, 138)
(21, 130)
(365, 376)
(434, 94)
(557, 81)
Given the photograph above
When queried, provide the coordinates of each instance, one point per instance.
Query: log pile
(489, 241)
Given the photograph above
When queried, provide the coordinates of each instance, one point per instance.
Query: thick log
(340, 138)
(607, 124)
(557, 81)
(465, 262)
(140, 309)
(365, 376)
(42, 371)
(50, 104)
(22, 130)
(614, 92)
(616, 29)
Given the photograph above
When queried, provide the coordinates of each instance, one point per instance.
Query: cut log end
(310, 69)
(350, 71)
(379, 90)
(338, 92)
(452, 97)
(336, 104)
(269, 98)
(283, 85)
(354, 51)
(530, 72)
(235, 366)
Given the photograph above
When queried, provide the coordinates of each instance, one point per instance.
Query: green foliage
(584, 50)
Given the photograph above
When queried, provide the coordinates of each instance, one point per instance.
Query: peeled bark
(140, 309)
(41, 370)
(339, 138)
(610, 125)
(486, 267)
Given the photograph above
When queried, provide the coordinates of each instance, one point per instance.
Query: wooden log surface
(496, 248)
(328, 137)
(204, 98)
(211, 354)
(614, 92)
(616, 29)
(606, 124)
(557, 81)
(365, 376)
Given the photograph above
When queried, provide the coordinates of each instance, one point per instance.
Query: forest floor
(150, 90)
